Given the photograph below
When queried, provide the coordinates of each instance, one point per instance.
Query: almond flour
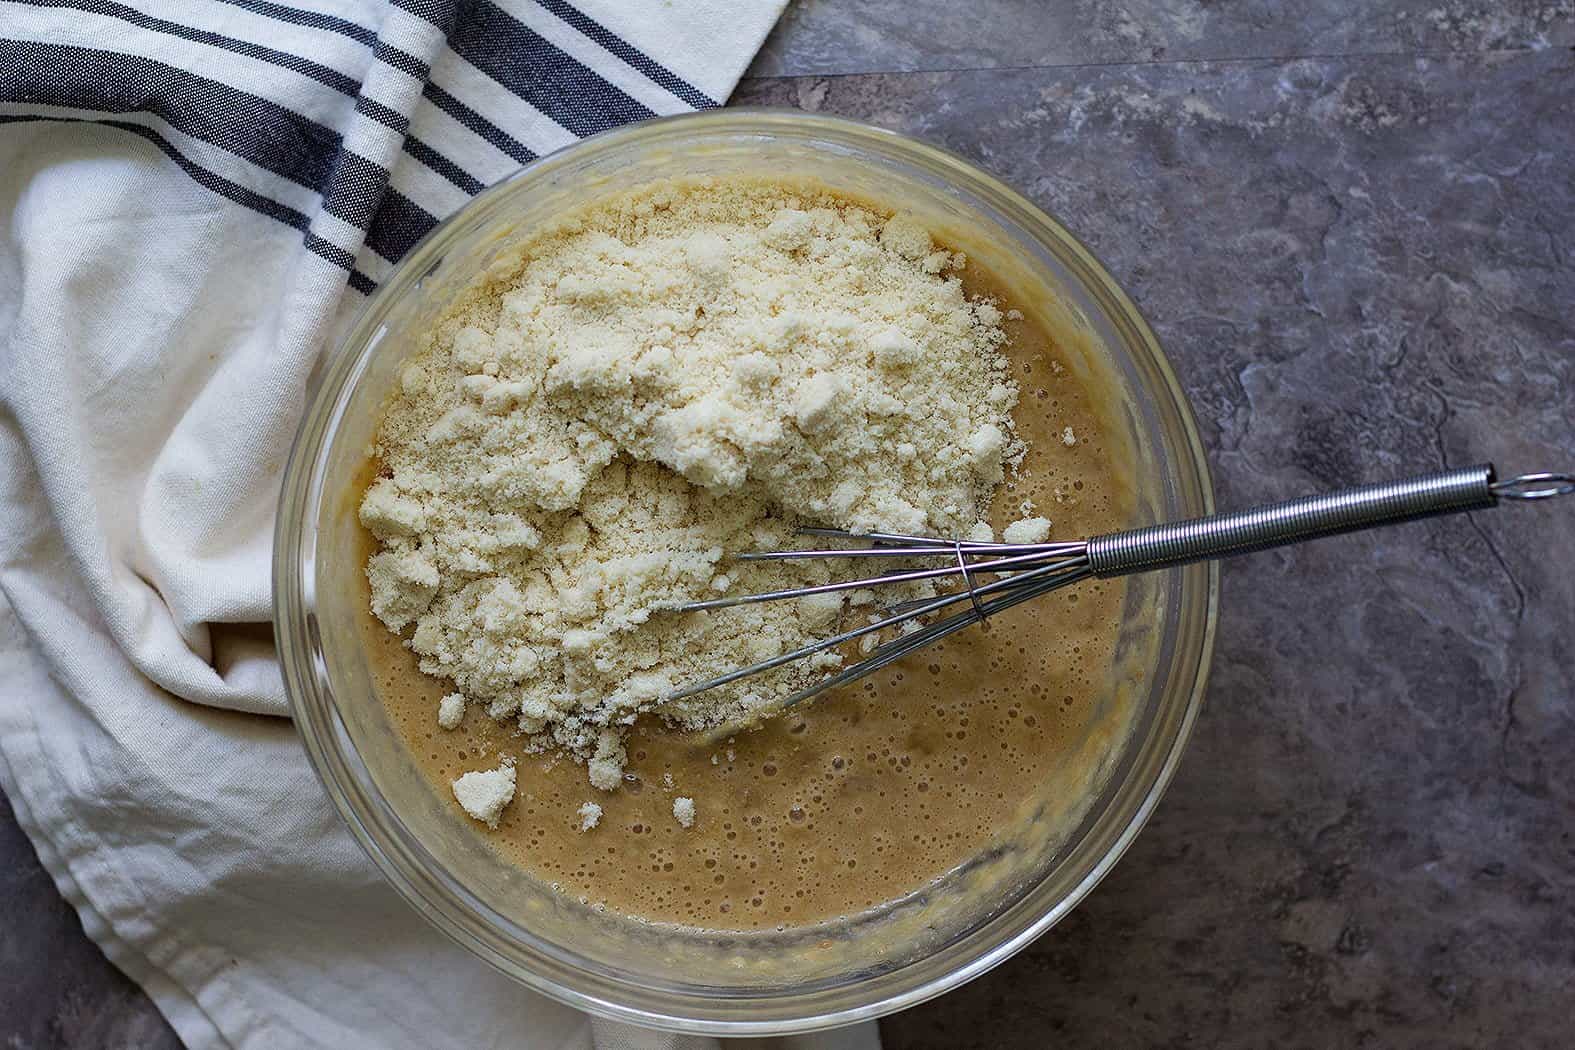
(684, 811)
(669, 375)
(483, 794)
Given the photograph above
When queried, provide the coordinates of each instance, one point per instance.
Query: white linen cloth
(197, 194)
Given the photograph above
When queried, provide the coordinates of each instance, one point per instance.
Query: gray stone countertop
(1352, 225)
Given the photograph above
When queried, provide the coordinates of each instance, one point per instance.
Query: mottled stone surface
(56, 987)
(839, 36)
(1354, 231)
(1360, 267)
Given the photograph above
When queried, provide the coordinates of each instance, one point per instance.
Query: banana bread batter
(865, 795)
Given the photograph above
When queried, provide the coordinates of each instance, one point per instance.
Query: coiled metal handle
(1277, 524)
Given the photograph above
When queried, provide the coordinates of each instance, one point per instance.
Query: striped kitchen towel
(359, 125)
(197, 194)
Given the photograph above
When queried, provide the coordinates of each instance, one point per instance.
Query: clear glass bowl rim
(437, 895)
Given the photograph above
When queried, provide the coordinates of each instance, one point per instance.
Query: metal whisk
(996, 576)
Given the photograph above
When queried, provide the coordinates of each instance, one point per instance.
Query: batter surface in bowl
(868, 794)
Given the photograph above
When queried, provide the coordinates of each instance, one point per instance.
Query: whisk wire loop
(967, 579)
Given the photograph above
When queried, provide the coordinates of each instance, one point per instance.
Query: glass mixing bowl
(805, 978)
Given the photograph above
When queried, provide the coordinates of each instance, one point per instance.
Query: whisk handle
(1278, 524)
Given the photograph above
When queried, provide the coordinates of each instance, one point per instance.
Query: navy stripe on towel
(477, 123)
(403, 61)
(443, 166)
(529, 65)
(632, 55)
(442, 13)
(217, 183)
(311, 19)
(354, 189)
(387, 116)
(382, 51)
(283, 59)
(398, 225)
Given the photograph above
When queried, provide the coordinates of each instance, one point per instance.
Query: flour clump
(684, 812)
(483, 794)
(669, 375)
